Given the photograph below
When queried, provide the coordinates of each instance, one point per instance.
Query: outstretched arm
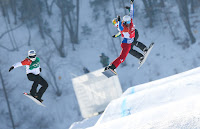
(120, 24)
(116, 35)
(132, 9)
(19, 64)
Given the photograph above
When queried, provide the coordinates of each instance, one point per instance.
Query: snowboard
(34, 99)
(146, 55)
(109, 73)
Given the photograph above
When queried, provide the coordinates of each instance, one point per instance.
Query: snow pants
(37, 79)
(124, 52)
(138, 44)
(135, 53)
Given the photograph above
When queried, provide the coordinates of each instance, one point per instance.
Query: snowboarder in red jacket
(127, 31)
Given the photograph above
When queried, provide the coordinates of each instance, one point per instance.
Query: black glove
(40, 69)
(132, 1)
(11, 68)
(127, 7)
(118, 18)
(113, 36)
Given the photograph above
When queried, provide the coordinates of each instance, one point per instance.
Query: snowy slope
(171, 102)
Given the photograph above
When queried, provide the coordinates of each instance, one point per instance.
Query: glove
(132, 1)
(40, 69)
(11, 68)
(113, 36)
(127, 7)
(118, 18)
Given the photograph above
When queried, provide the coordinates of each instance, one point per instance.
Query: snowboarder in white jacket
(33, 69)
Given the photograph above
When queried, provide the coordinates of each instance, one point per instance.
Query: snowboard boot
(39, 99)
(141, 59)
(145, 50)
(110, 67)
(31, 94)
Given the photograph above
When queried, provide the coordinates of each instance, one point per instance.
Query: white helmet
(127, 19)
(32, 55)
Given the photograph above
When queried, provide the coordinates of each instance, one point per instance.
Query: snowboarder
(33, 69)
(136, 43)
(127, 31)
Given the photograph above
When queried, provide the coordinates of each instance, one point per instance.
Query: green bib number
(35, 64)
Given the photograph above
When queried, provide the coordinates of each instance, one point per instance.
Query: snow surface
(168, 103)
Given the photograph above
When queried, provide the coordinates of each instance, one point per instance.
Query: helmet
(114, 21)
(127, 19)
(32, 55)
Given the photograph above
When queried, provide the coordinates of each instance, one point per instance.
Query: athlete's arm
(132, 10)
(24, 62)
(117, 35)
(19, 64)
(120, 26)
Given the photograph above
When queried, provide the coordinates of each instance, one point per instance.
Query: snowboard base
(109, 73)
(146, 55)
(34, 99)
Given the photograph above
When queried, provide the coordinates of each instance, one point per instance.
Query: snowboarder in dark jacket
(33, 69)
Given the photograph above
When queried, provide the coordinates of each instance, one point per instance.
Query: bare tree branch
(11, 36)
(52, 73)
(184, 13)
(6, 48)
(149, 11)
(4, 33)
(29, 33)
(7, 101)
(55, 44)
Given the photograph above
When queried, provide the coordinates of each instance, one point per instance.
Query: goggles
(127, 22)
(32, 56)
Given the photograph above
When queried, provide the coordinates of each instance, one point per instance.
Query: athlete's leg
(135, 53)
(33, 78)
(44, 86)
(124, 52)
(137, 43)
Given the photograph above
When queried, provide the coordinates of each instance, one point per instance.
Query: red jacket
(128, 28)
